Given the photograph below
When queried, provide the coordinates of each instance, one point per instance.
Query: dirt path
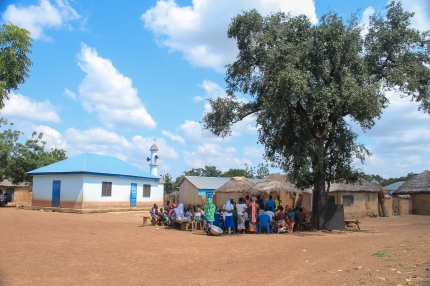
(44, 248)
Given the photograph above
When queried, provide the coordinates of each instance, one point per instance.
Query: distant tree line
(258, 172)
(385, 182)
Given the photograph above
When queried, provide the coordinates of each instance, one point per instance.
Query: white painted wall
(120, 189)
(88, 188)
(71, 187)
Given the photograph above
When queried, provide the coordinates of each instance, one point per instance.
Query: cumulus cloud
(53, 138)
(101, 141)
(173, 136)
(37, 18)
(421, 8)
(213, 155)
(399, 140)
(24, 108)
(199, 31)
(109, 93)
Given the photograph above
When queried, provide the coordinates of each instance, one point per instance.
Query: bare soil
(51, 248)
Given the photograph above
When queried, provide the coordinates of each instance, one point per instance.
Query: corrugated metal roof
(211, 183)
(393, 186)
(88, 163)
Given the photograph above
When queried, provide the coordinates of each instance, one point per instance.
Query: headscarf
(209, 210)
(180, 212)
(228, 206)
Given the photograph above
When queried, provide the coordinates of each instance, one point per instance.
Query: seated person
(303, 214)
(269, 213)
(162, 217)
(154, 210)
(167, 207)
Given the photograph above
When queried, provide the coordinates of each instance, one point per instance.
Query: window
(106, 189)
(348, 200)
(146, 191)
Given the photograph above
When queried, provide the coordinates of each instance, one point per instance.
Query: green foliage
(385, 182)
(16, 158)
(177, 181)
(15, 44)
(237, 173)
(259, 172)
(207, 171)
(374, 179)
(168, 183)
(306, 80)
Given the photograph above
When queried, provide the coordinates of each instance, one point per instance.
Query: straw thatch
(274, 183)
(360, 186)
(236, 184)
(418, 184)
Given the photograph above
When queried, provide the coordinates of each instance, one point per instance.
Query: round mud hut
(419, 189)
(234, 189)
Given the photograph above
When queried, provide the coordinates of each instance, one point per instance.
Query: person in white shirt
(269, 213)
(227, 209)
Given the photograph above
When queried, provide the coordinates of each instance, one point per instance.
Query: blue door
(133, 194)
(56, 186)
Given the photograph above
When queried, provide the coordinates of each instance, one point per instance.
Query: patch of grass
(380, 252)
(407, 240)
(388, 246)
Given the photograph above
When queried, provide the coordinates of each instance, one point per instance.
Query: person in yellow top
(278, 202)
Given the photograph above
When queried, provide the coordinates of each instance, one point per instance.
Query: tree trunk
(319, 198)
(381, 202)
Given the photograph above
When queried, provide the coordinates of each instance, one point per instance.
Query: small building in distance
(418, 188)
(91, 181)
(21, 194)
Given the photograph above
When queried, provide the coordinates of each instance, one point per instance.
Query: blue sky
(110, 76)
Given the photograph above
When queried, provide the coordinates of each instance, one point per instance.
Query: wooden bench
(356, 222)
(146, 217)
(184, 224)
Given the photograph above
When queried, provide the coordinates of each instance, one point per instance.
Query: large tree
(306, 81)
(207, 171)
(15, 44)
(17, 158)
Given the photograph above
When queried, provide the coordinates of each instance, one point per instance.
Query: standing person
(270, 204)
(260, 202)
(253, 211)
(227, 209)
(240, 208)
(278, 202)
(209, 213)
(167, 207)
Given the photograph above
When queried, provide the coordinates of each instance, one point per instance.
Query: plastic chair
(263, 221)
(217, 221)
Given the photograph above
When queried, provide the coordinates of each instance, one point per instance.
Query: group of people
(234, 217)
(247, 211)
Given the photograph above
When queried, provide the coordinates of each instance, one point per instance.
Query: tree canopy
(168, 183)
(17, 158)
(15, 44)
(207, 171)
(305, 81)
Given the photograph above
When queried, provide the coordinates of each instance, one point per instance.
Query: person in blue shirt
(271, 204)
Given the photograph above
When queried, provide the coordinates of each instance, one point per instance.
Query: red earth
(51, 248)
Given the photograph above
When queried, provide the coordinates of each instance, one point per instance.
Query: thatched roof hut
(418, 184)
(236, 184)
(274, 183)
(233, 189)
(360, 186)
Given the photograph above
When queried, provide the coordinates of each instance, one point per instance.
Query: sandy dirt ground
(50, 248)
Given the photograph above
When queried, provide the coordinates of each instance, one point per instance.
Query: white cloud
(254, 152)
(173, 136)
(399, 140)
(24, 108)
(365, 21)
(421, 8)
(194, 133)
(200, 31)
(36, 18)
(53, 138)
(110, 94)
(101, 141)
(198, 98)
(213, 155)
(69, 94)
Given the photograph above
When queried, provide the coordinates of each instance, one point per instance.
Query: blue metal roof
(93, 164)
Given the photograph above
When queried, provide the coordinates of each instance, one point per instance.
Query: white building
(91, 181)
